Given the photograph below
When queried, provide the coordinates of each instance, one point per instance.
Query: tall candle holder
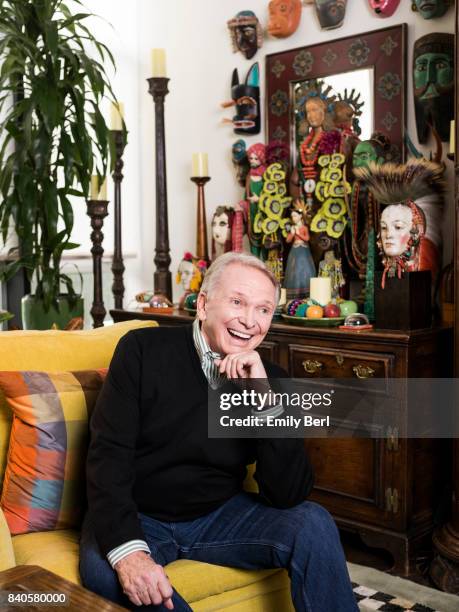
(202, 250)
(118, 268)
(162, 280)
(97, 211)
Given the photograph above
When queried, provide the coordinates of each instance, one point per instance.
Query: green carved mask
(364, 153)
(430, 9)
(432, 70)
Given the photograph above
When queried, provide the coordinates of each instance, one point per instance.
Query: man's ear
(201, 304)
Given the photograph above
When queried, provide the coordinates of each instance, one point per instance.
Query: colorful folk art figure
(190, 275)
(410, 225)
(360, 239)
(246, 98)
(330, 13)
(331, 267)
(346, 112)
(270, 221)
(284, 17)
(433, 84)
(300, 264)
(384, 8)
(246, 33)
(240, 161)
(256, 155)
(431, 9)
(331, 191)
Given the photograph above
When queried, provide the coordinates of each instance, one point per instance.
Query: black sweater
(150, 452)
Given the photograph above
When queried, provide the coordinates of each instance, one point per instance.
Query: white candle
(94, 186)
(117, 116)
(320, 290)
(158, 63)
(452, 138)
(200, 165)
(103, 191)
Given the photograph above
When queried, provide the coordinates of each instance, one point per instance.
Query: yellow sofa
(206, 587)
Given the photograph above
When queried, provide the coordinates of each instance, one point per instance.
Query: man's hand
(242, 365)
(144, 581)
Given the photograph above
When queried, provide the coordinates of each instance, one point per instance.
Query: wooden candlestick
(202, 250)
(118, 268)
(162, 280)
(97, 211)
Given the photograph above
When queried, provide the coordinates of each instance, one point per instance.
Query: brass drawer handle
(362, 371)
(339, 359)
(312, 366)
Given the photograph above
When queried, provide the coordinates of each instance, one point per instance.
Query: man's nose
(248, 317)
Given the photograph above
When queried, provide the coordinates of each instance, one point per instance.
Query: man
(159, 489)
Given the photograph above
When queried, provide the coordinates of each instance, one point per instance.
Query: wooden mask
(246, 99)
(330, 13)
(284, 17)
(433, 84)
(246, 33)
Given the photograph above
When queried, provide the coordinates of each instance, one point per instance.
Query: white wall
(199, 63)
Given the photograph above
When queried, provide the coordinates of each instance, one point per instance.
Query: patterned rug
(370, 599)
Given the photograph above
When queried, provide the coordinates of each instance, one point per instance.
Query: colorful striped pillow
(44, 485)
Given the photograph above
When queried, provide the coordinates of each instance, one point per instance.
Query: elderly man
(159, 489)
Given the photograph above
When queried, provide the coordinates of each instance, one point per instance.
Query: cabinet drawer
(324, 362)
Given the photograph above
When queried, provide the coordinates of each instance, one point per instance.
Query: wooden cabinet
(387, 490)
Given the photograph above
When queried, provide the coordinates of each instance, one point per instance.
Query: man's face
(432, 71)
(237, 314)
(364, 153)
(429, 9)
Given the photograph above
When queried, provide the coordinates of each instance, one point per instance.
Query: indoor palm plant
(53, 135)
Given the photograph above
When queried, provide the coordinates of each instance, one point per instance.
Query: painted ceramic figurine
(221, 230)
(384, 8)
(256, 155)
(347, 110)
(246, 100)
(190, 274)
(246, 33)
(431, 9)
(433, 84)
(330, 13)
(331, 267)
(284, 17)
(300, 264)
(410, 238)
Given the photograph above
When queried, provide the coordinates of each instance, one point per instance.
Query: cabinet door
(352, 475)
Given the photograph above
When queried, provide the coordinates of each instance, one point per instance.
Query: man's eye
(265, 310)
(236, 301)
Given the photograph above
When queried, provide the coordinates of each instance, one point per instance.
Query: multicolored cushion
(44, 484)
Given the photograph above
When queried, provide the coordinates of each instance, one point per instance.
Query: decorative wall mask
(330, 13)
(246, 99)
(430, 9)
(284, 17)
(240, 161)
(410, 237)
(433, 83)
(246, 33)
(384, 8)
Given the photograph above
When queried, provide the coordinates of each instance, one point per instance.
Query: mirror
(372, 63)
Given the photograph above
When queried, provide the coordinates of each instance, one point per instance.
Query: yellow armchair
(228, 589)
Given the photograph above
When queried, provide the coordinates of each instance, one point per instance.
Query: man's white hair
(217, 268)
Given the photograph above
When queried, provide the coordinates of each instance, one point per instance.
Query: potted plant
(53, 137)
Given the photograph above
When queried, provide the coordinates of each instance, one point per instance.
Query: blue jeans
(241, 533)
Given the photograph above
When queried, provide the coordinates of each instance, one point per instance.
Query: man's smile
(238, 334)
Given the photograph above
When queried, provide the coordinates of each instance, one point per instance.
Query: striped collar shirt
(207, 357)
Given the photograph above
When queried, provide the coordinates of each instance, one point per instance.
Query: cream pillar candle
(320, 290)
(452, 138)
(94, 187)
(158, 63)
(200, 166)
(103, 191)
(117, 115)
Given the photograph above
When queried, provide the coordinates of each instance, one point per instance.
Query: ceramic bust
(221, 230)
(190, 274)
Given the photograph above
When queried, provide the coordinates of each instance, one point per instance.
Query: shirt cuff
(126, 549)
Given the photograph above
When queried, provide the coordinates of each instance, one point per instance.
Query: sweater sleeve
(283, 473)
(110, 463)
